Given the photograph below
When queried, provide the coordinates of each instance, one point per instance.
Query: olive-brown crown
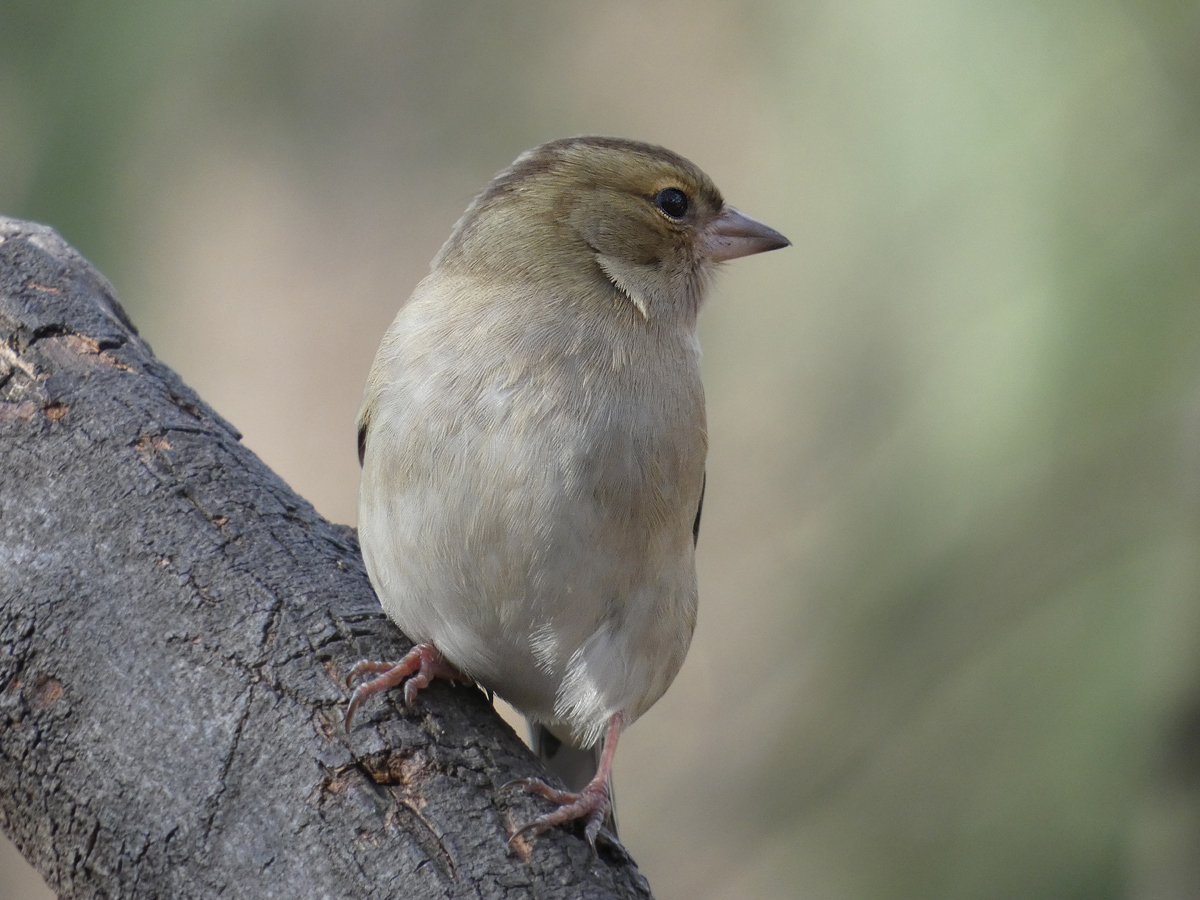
(563, 208)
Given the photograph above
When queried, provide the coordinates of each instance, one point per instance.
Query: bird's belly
(553, 564)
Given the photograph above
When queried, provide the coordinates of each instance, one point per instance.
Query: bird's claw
(590, 804)
(422, 664)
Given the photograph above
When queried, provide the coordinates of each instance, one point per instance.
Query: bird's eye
(672, 201)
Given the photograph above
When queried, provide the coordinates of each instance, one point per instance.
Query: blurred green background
(949, 643)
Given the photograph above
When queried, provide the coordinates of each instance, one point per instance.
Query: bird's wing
(699, 506)
(364, 423)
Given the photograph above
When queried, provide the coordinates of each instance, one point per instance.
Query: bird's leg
(591, 803)
(424, 662)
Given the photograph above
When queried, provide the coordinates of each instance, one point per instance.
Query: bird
(532, 438)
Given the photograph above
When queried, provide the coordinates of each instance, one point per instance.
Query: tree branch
(175, 629)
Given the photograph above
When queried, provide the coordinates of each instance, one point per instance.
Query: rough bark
(175, 629)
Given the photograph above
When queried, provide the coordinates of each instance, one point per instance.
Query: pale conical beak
(733, 234)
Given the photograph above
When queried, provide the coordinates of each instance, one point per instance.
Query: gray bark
(175, 630)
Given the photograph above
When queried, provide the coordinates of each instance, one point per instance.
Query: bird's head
(591, 209)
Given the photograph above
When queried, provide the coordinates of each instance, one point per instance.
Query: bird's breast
(529, 489)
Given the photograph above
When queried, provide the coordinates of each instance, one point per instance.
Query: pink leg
(424, 662)
(591, 803)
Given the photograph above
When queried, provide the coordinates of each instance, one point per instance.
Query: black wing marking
(699, 509)
(362, 442)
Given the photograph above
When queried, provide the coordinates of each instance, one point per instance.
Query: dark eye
(672, 201)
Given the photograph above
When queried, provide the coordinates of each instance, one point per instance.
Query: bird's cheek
(625, 237)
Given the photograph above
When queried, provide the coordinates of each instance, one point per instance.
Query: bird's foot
(422, 664)
(590, 804)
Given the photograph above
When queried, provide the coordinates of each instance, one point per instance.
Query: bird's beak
(733, 234)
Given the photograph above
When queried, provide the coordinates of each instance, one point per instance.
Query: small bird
(532, 439)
